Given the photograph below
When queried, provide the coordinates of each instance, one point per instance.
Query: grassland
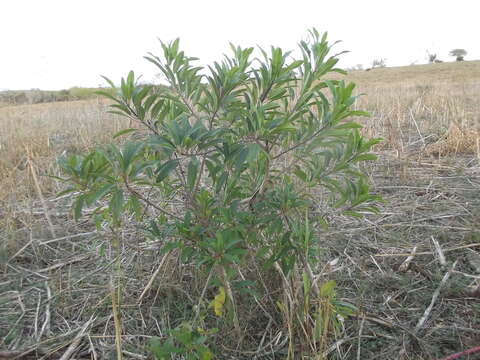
(426, 240)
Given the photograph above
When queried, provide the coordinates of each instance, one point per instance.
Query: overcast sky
(55, 44)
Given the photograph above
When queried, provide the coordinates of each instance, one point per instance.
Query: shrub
(244, 165)
(459, 54)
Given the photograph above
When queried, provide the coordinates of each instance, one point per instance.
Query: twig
(405, 265)
(463, 353)
(147, 201)
(21, 250)
(303, 142)
(62, 264)
(152, 279)
(76, 341)
(438, 249)
(67, 237)
(133, 355)
(197, 312)
(46, 324)
(435, 295)
(429, 252)
(117, 323)
(92, 348)
(360, 339)
(116, 295)
(40, 194)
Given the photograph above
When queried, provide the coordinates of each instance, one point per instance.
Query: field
(413, 271)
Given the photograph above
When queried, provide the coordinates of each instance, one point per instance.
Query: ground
(413, 271)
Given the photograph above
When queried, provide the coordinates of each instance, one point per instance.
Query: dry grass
(54, 284)
(423, 109)
(46, 131)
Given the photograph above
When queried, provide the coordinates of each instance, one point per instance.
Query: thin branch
(463, 353)
(147, 201)
(293, 147)
(428, 310)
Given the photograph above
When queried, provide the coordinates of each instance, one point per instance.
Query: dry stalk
(76, 341)
(230, 295)
(360, 331)
(46, 324)
(153, 277)
(435, 295)
(39, 192)
(406, 264)
(438, 249)
(116, 295)
(429, 252)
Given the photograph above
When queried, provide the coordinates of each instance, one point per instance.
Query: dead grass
(423, 109)
(55, 292)
(46, 131)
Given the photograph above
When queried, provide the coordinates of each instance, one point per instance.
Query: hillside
(465, 71)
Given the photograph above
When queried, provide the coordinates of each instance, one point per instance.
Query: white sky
(55, 44)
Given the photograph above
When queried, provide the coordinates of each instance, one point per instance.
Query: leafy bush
(243, 165)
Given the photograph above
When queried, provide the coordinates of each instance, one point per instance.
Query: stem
(232, 300)
(293, 147)
(147, 201)
(197, 313)
(199, 176)
(116, 297)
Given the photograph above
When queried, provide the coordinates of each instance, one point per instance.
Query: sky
(58, 44)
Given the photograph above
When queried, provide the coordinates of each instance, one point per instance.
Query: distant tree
(379, 63)
(459, 54)
(431, 57)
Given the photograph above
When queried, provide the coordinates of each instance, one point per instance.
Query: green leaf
(328, 289)
(78, 206)
(123, 132)
(129, 152)
(364, 157)
(192, 172)
(164, 170)
(66, 191)
(93, 197)
(116, 204)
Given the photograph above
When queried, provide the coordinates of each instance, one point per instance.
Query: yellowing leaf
(207, 355)
(328, 289)
(218, 302)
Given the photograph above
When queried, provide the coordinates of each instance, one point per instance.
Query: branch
(435, 295)
(293, 147)
(462, 353)
(147, 201)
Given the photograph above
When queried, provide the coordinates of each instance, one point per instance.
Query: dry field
(413, 271)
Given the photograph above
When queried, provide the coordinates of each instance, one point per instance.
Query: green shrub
(256, 155)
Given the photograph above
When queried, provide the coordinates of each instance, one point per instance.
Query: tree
(235, 172)
(381, 63)
(459, 54)
(431, 57)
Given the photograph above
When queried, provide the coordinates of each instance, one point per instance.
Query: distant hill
(36, 96)
(464, 71)
(468, 71)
